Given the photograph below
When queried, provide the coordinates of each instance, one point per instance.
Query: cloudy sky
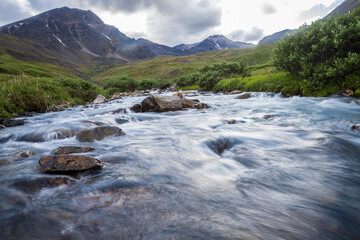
(173, 22)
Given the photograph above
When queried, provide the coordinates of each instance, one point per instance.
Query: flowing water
(294, 174)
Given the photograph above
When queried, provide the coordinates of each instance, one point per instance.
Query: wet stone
(244, 96)
(268, 116)
(68, 163)
(356, 127)
(94, 123)
(202, 106)
(72, 149)
(219, 145)
(11, 122)
(98, 133)
(32, 185)
(121, 120)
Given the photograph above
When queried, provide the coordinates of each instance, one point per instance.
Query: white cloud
(173, 22)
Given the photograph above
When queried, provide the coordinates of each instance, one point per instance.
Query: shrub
(323, 53)
(209, 75)
(120, 84)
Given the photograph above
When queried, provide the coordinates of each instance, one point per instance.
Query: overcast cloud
(186, 21)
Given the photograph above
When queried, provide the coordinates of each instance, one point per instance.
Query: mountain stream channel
(288, 168)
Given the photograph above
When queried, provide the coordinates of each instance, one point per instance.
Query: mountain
(276, 36)
(69, 31)
(214, 42)
(344, 8)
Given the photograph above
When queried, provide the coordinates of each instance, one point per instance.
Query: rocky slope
(344, 7)
(67, 30)
(276, 36)
(214, 42)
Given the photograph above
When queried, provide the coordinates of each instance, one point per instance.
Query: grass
(11, 66)
(187, 88)
(169, 67)
(286, 83)
(23, 93)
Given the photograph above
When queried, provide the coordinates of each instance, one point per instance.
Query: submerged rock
(66, 163)
(202, 106)
(356, 127)
(98, 133)
(95, 123)
(268, 116)
(121, 120)
(31, 185)
(12, 157)
(219, 145)
(244, 96)
(100, 99)
(72, 149)
(11, 122)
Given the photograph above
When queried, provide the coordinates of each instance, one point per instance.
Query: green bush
(120, 84)
(323, 53)
(26, 94)
(209, 75)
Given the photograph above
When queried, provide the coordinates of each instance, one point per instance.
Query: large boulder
(100, 99)
(68, 163)
(169, 103)
(98, 133)
(72, 149)
(163, 104)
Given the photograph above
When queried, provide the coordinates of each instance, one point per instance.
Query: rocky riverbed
(242, 166)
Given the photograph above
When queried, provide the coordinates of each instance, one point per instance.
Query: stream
(288, 168)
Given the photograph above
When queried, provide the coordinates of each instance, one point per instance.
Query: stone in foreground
(68, 163)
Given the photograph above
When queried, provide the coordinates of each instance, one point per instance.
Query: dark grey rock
(98, 133)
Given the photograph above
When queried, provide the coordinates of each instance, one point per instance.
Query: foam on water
(190, 175)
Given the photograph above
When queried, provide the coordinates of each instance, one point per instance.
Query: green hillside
(167, 67)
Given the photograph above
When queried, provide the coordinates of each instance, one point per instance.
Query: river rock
(235, 92)
(356, 127)
(99, 99)
(95, 123)
(121, 120)
(32, 185)
(178, 94)
(58, 108)
(244, 96)
(63, 133)
(11, 122)
(165, 103)
(202, 106)
(187, 103)
(98, 133)
(268, 116)
(120, 110)
(219, 145)
(72, 149)
(66, 163)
